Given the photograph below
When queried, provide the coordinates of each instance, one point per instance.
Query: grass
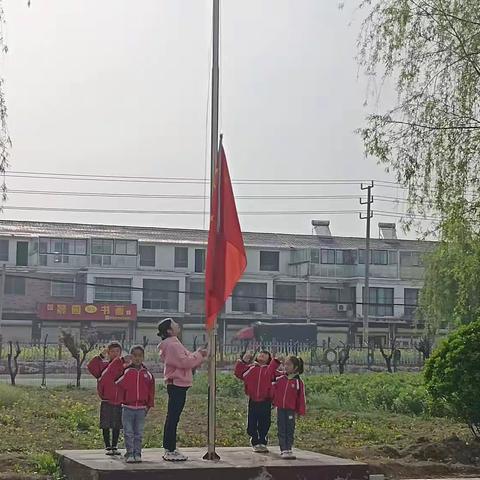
(353, 416)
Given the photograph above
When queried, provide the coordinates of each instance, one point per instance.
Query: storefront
(106, 321)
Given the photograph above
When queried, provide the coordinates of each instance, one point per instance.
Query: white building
(94, 276)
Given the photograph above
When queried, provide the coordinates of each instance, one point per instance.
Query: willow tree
(429, 50)
(5, 142)
(431, 136)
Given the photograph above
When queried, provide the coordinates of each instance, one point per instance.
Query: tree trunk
(11, 358)
(388, 361)
(79, 373)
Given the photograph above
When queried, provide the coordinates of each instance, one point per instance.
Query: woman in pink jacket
(178, 365)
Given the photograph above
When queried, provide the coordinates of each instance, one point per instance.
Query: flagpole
(212, 333)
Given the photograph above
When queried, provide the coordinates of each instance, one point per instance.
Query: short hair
(114, 344)
(163, 327)
(137, 347)
(266, 352)
(297, 363)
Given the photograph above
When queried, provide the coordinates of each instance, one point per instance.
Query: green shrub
(399, 393)
(46, 464)
(9, 395)
(452, 374)
(227, 385)
(77, 417)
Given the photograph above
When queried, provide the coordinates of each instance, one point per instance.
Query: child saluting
(258, 377)
(289, 398)
(137, 389)
(110, 408)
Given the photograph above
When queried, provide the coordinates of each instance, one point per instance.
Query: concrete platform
(236, 464)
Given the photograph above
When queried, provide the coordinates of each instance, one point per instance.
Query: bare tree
(13, 358)
(44, 363)
(390, 355)
(425, 346)
(343, 356)
(79, 349)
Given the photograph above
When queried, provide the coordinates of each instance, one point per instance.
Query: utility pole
(366, 291)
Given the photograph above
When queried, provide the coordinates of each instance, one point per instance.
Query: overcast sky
(121, 88)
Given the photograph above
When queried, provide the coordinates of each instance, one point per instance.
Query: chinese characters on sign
(67, 311)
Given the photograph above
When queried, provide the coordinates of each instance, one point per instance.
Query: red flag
(226, 258)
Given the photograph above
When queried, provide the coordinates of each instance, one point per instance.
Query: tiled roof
(195, 237)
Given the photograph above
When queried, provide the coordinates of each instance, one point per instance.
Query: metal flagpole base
(213, 456)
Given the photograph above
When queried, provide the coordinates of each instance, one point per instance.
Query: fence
(53, 364)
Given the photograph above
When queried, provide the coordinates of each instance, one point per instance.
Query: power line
(199, 212)
(175, 212)
(178, 196)
(187, 180)
(196, 197)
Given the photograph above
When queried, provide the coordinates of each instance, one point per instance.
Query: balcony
(341, 271)
(62, 261)
(114, 261)
(412, 273)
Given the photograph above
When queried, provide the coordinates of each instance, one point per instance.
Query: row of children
(127, 392)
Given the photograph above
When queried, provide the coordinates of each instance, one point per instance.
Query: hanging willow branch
(429, 51)
(5, 141)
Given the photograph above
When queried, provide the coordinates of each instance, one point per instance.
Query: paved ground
(236, 464)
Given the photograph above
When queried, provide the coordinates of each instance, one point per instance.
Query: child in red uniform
(258, 377)
(110, 408)
(289, 398)
(137, 390)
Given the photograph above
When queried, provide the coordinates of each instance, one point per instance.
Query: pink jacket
(178, 362)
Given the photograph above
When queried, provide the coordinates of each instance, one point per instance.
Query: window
(410, 259)
(14, 285)
(147, 255)
(392, 257)
(269, 261)
(125, 247)
(181, 257)
(63, 289)
(250, 297)
(329, 295)
(381, 302)
(61, 246)
(199, 260)
(160, 295)
(285, 293)
(337, 295)
(377, 257)
(328, 256)
(4, 244)
(115, 290)
(346, 257)
(80, 247)
(197, 290)
(411, 296)
(101, 246)
(315, 255)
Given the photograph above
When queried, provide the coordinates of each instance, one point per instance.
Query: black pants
(286, 428)
(176, 402)
(259, 421)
